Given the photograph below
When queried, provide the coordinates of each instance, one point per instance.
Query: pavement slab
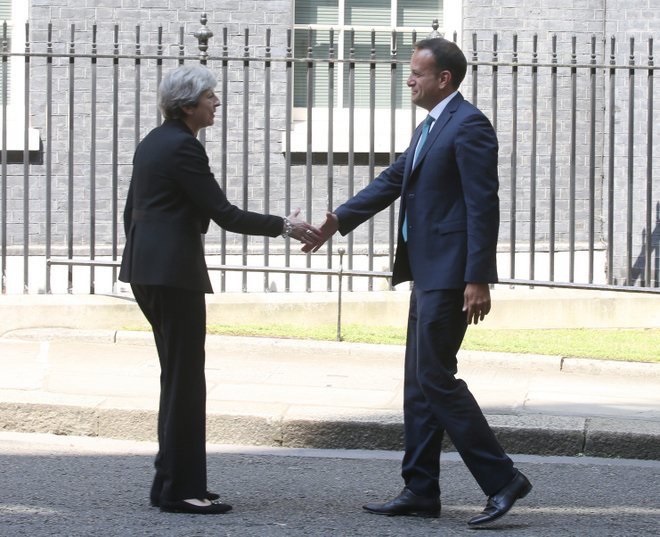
(278, 392)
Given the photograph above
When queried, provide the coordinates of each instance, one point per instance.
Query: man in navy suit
(448, 227)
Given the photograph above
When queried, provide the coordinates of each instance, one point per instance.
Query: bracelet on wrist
(287, 228)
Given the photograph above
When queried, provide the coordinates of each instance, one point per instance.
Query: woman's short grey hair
(183, 87)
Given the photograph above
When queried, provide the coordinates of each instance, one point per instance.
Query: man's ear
(444, 79)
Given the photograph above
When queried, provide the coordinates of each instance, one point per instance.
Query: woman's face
(203, 113)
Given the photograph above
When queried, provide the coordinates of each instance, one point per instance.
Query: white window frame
(453, 23)
(20, 12)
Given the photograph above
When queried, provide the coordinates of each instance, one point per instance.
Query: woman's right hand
(307, 234)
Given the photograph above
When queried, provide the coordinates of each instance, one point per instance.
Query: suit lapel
(439, 125)
(409, 168)
(411, 151)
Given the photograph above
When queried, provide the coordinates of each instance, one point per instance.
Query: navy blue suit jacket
(451, 200)
(171, 199)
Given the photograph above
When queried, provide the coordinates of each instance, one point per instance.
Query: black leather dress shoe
(182, 506)
(500, 503)
(211, 496)
(408, 504)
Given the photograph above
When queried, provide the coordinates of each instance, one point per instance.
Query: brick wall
(525, 19)
(622, 21)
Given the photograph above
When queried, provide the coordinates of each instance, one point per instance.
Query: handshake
(312, 238)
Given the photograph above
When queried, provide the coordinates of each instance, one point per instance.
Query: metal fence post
(340, 273)
(203, 35)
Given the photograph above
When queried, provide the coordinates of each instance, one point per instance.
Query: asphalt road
(70, 486)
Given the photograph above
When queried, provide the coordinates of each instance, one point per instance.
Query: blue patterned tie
(422, 139)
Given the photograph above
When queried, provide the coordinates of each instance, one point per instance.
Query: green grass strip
(637, 345)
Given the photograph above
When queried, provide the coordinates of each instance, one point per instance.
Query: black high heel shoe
(211, 496)
(182, 506)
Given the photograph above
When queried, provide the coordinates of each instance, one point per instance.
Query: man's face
(428, 86)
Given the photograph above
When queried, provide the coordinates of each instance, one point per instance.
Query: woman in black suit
(171, 199)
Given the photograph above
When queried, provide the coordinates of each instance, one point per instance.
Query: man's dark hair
(448, 57)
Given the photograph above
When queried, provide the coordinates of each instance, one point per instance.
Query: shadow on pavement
(72, 492)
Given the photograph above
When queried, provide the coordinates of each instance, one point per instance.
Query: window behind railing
(358, 30)
(5, 35)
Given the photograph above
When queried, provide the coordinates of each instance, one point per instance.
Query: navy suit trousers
(436, 401)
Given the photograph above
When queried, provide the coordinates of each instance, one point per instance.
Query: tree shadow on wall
(637, 272)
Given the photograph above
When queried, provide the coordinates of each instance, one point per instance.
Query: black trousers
(178, 319)
(436, 401)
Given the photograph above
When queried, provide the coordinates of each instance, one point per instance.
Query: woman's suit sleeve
(198, 183)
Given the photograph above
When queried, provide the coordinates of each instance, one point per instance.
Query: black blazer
(171, 199)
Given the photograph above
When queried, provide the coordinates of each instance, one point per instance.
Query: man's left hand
(476, 301)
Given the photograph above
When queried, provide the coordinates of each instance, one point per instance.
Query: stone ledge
(537, 435)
